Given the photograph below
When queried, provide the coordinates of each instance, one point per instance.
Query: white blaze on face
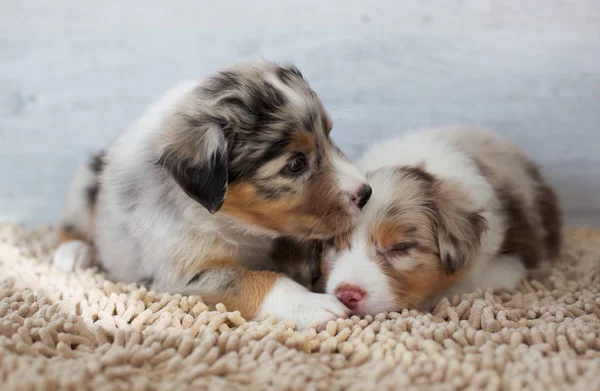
(354, 267)
(349, 177)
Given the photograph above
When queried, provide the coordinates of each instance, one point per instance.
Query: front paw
(318, 309)
(73, 255)
(289, 300)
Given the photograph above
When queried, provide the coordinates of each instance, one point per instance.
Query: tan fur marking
(302, 141)
(426, 279)
(248, 291)
(65, 236)
(312, 212)
(251, 289)
(246, 203)
(414, 287)
(387, 234)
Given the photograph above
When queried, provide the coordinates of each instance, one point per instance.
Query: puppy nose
(350, 295)
(361, 197)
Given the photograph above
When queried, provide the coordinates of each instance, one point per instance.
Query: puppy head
(252, 143)
(414, 239)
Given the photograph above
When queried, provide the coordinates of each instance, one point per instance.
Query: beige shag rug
(81, 331)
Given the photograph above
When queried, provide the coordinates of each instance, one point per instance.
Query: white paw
(73, 255)
(289, 300)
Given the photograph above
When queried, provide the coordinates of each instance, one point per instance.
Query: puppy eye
(400, 249)
(297, 165)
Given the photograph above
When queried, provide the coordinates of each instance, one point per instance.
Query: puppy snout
(362, 196)
(350, 295)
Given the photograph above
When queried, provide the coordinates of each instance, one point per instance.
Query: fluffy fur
(192, 196)
(453, 210)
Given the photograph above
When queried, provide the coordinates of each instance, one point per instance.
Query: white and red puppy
(453, 210)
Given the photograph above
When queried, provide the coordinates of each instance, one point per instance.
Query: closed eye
(400, 249)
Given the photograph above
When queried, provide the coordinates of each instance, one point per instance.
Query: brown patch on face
(244, 201)
(318, 209)
(418, 274)
(415, 286)
(387, 234)
(439, 209)
(303, 141)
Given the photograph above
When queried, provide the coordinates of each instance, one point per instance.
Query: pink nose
(350, 295)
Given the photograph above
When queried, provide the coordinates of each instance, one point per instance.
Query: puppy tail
(77, 222)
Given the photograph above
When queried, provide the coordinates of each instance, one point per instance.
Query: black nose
(363, 195)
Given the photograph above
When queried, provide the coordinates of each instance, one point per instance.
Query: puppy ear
(459, 227)
(197, 160)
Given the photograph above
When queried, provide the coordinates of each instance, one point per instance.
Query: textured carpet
(78, 331)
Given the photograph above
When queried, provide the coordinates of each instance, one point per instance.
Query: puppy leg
(73, 252)
(76, 225)
(72, 255)
(290, 300)
(257, 294)
(504, 272)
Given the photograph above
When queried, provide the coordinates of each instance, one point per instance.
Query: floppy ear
(459, 227)
(197, 160)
